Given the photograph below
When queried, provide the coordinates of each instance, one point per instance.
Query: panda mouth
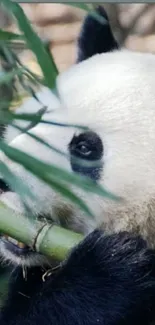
(14, 241)
(19, 253)
(14, 245)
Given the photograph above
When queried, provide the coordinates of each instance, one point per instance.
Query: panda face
(76, 144)
(112, 94)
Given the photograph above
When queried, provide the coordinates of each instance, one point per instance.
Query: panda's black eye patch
(88, 147)
(4, 187)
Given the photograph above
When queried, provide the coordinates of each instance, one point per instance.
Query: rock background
(133, 25)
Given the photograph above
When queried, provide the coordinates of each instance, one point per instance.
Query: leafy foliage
(14, 73)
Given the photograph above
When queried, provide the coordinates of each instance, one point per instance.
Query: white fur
(114, 95)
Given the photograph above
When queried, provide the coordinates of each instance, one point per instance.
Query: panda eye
(86, 145)
(83, 149)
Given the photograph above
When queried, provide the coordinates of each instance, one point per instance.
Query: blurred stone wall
(59, 24)
(133, 26)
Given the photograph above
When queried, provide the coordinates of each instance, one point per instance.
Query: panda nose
(4, 187)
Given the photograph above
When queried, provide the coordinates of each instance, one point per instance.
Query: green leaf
(7, 77)
(66, 192)
(32, 76)
(15, 182)
(82, 162)
(33, 136)
(33, 41)
(60, 173)
(37, 119)
(40, 169)
(8, 36)
(19, 187)
(7, 54)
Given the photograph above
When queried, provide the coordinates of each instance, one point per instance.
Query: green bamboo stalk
(48, 239)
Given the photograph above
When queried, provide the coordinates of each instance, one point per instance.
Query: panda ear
(95, 37)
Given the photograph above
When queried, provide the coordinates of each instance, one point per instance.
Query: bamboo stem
(48, 239)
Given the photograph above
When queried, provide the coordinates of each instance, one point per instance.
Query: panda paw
(116, 275)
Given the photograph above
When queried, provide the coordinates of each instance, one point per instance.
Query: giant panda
(109, 278)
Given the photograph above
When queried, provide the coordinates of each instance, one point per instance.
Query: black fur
(95, 37)
(105, 280)
(4, 187)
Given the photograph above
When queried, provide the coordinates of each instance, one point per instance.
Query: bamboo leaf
(34, 43)
(81, 162)
(33, 136)
(15, 183)
(66, 192)
(8, 36)
(38, 119)
(7, 77)
(39, 168)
